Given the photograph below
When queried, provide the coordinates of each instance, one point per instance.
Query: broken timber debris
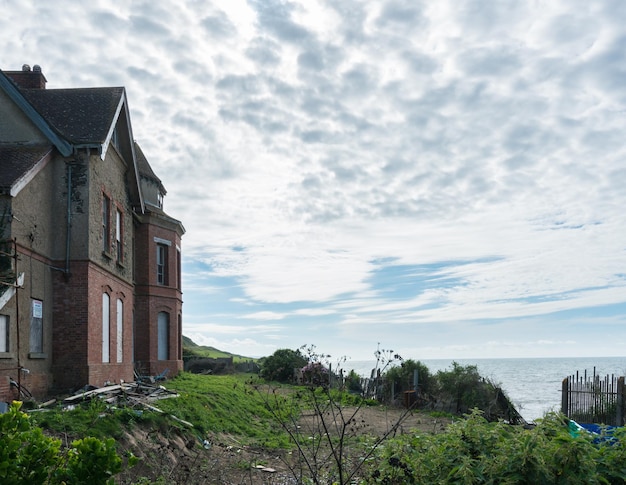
(128, 394)
(140, 391)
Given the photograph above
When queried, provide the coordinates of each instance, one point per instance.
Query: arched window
(180, 337)
(163, 351)
(106, 319)
(120, 330)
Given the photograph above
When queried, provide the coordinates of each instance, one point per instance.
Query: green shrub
(464, 387)
(91, 460)
(353, 382)
(280, 365)
(28, 456)
(476, 451)
(403, 376)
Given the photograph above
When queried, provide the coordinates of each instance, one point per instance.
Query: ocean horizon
(532, 384)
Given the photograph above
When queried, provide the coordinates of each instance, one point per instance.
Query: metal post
(564, 397)
(619, 418)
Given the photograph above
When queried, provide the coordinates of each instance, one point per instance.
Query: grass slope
(191, 349)
(216, 405)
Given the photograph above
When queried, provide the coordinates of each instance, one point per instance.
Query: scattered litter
(47, 403)
(125, 394)
(152, 379)
(119, 393)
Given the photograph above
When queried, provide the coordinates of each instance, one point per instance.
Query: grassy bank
(215, 405)
(239, 424)
(225, 404)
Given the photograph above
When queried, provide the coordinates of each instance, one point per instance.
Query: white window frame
(36, 327)
(5, 343)
(120, 330)
(161, 264)
(163, 337)
(118, 236)
(106, 331)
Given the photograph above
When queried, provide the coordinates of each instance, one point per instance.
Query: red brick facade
(152, 298)
(78, 317)
(93, 307)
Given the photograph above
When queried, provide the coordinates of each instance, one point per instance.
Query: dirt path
(378, 421)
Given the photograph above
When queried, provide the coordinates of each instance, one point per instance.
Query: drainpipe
(69, 221)
(17, 318)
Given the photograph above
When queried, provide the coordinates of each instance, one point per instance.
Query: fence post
(564, 397)
(619, 418)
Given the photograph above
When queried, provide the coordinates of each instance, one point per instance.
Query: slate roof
(82, 116)
(18, 160)
(145, 170)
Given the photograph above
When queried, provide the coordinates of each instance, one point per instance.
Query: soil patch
(224, 460)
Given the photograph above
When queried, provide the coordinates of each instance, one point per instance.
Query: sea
(533, 385)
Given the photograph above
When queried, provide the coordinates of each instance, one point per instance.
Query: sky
(442, 179)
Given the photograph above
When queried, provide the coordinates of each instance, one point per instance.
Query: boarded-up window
(4, 333)
(120, 330)
(36, 327)
(106, 314)
(180, 337)
(164, 336)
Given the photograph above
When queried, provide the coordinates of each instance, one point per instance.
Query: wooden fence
(593, 399)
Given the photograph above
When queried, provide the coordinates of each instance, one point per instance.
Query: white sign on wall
(37, 309)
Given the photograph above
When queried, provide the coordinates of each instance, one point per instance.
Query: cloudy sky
(446, 179)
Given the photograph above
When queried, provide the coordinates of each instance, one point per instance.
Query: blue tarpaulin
(600, 432)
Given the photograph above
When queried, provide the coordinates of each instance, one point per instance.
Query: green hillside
(191, 349)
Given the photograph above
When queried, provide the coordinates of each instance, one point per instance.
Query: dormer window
(160, 200)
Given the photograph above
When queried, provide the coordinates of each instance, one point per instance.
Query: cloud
(356, 169)
(263, 316)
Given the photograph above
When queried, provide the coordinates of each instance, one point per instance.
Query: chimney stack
(28, 79)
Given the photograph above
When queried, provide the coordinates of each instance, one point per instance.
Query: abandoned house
(90, 264)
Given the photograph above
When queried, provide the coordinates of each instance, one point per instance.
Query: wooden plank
(95, 392)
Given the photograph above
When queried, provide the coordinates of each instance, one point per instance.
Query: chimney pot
(28, 79)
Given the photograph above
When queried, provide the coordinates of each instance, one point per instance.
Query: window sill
(37, 355)
(120, 264)
(7, 355)
(107, 255)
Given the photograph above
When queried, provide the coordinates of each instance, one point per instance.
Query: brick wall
(6, 394)
(28, 79)
(152, 298)
(78, 334)
(70, 330)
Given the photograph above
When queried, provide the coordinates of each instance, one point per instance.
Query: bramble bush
(475, 451)
(28, 456)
